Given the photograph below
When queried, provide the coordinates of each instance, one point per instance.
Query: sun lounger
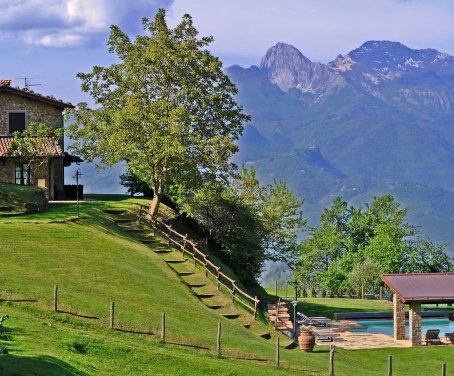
(450, 337)
(432, 337)
(314, 321)
(324, 334)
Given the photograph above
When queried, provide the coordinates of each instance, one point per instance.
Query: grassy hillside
(21, 198)
(94, 262)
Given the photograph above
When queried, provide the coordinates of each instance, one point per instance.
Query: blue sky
(52, 40)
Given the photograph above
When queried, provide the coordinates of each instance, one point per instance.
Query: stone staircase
(196, 280)
(279, 317)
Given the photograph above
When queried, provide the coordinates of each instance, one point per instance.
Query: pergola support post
(399, 318)
(415, 323)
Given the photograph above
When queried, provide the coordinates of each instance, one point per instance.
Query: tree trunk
(154, 206)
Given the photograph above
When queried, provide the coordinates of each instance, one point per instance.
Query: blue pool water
(386, 326)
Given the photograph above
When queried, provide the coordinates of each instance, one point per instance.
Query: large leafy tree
(251, 222)
(352, 246)
(166, 108)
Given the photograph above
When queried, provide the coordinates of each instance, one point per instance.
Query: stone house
(19, 107)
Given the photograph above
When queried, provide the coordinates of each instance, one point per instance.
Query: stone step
(175, 261)
(135, 230)
(114, 211)
(204, 296)
(125, 220)
(162, 251)
(196, 285)
(214, 306)
(282, 317)
(184, 274)
(273, 306)
(148, 241)
(280, 311)
(286, 325)
(231, 316)
(265, 335)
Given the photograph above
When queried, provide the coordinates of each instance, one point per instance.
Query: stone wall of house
(36, 112)
(6, 171)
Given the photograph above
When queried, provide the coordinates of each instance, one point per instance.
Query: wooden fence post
(56, 298)
(275, 287)
(218, 340)
(163, 328)
(219, 278)
(277, 351)
(255, 307)
(206, 266)
(112, 315)
(331, 360)
(381, 293)
(390, 365)
(233, 292)
(443, 369)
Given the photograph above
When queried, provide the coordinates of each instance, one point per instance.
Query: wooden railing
(189, 248)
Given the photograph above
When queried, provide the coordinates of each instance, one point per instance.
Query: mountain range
(377, 120)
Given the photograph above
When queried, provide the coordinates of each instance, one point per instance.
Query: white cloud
(70, 23)
(321, 29)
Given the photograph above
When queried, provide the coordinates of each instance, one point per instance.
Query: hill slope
(94, 262)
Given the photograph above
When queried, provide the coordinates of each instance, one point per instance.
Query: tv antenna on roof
(27, 82)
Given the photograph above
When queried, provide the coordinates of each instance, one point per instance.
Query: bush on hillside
(23, 198)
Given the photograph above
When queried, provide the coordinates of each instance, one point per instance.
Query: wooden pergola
(414, 290)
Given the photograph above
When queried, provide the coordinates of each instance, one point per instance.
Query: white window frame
(15, 112)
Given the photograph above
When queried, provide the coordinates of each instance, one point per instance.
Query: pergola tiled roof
(49, 146)
(422, 287)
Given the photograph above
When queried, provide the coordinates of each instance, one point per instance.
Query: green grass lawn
(94, 262)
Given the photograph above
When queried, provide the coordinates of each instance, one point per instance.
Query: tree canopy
(166, 108)
(251, 223)
(352, 246)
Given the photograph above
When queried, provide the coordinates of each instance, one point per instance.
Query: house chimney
(5, 82)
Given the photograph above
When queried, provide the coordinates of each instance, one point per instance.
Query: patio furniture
(313, 321)
(324, 334)
(450, 337)
(432, 337)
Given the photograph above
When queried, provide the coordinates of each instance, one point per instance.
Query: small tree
(365, 276)
(135, 184)
(35, 145)
(166, 108)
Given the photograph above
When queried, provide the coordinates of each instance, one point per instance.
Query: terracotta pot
(306, 340)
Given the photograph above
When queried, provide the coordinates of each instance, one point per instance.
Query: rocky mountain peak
(386, 56)
(288, 68)
(284, 54)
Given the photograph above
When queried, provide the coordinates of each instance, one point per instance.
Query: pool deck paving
(356, 341)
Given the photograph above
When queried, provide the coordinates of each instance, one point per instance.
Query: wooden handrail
(202, 259)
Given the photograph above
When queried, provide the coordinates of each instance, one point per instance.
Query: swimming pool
(386, 326)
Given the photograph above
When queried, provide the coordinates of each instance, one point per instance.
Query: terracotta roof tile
(49, 146)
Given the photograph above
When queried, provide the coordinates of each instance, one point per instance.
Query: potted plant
(306, 340)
